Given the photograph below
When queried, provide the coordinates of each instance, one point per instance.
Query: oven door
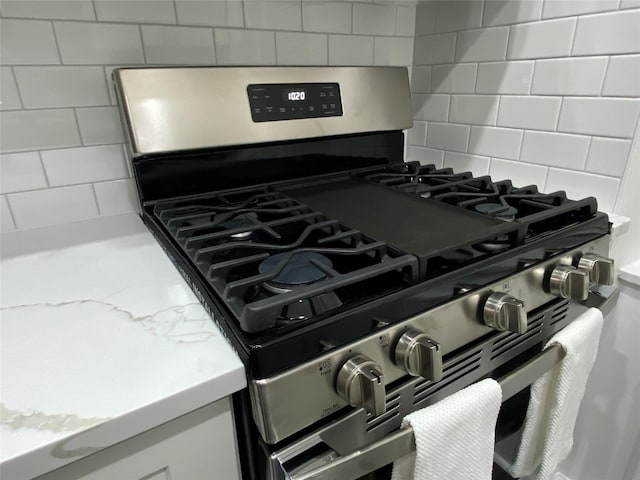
(336, 451)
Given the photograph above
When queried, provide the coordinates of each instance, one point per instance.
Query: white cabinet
(198, 446)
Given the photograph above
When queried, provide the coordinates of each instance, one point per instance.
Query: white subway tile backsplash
(448, 136)
(607, 33)
(555, 149)
(67, 86)
(623, 76)
(53, 206)
(273, 14)
(569, 76)
(116, 197)
(396, 51)
(350, 50)
(418, 134)
(507, 12)
(434, 49)
(9, 98)
(520, 174)
(6, 220)
(462, 162)
(425, 156)
(99, 43)
(457, 15)
(537, 113)
(580, 185)
(301, 48)
(495, 142)
(433, 108)
(54, 10)
(20, 172)
(100, 125)
(425, 18)
(38, 129)
(405, 21)
(421, 79)
(373, 19)
(504, 77)
(629, 4)
(568, 8)
(457, 78)
(608, 156)
(178, 45)
(474, 109)
(483, 45)
(615, 117)
(551, 38)
(329, 17)
(244, 47)
(27, 42)
(220, 13)
(86, 164)
(135, 11)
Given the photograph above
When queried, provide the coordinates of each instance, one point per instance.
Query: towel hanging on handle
(454, 437)
(547, 435)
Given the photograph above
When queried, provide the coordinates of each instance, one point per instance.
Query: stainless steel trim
(452, 325)
(174, 108)
(401, 442)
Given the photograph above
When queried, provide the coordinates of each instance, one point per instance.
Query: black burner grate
(247, 243)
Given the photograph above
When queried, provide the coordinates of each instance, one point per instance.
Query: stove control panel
(293, 101)
(419, 355)
(361, 384)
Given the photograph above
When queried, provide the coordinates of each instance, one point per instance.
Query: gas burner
(243, 220)
(301, 269)
(497, 210)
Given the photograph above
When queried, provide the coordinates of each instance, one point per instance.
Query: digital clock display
(295, 95)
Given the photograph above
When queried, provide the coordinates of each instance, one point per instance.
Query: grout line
(555, 129)
(95, 10)
(144, 50)
(327, 49)
(468, 140)
(573, 37)
(275, 46)
(586, 157)
(498, 110)
(175, 11)
(301, 18)
(15, 79)
(506, 48)
(75, 115)
(484, 4)
(395, 30)
(244, 14)
(546, 177)
(627, 163)
(352, 17)
(604, 75)
(44, 170)
(11, 214)
(95, 198)
(55, 38)
(519, 159)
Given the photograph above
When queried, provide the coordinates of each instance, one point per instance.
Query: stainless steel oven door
(338, 450)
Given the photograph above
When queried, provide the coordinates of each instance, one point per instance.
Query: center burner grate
(275, 262)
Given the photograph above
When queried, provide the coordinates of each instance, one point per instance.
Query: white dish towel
(547, 435)
(454, 437)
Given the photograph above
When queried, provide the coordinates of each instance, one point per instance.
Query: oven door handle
(401, 442)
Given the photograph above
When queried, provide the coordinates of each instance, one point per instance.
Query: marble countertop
(100, 339)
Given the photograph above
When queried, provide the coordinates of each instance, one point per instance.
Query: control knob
(361, 384)
(569, 282)
(418, 355)
(504, 312)
(600, 269)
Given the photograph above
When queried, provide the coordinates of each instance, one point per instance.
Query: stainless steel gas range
(355, 287)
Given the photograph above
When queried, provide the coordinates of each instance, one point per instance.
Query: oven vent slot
(559, 313)
(452, 372)
(393, 410)
(513, 340)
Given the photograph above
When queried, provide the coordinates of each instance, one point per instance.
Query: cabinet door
(198, 446)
